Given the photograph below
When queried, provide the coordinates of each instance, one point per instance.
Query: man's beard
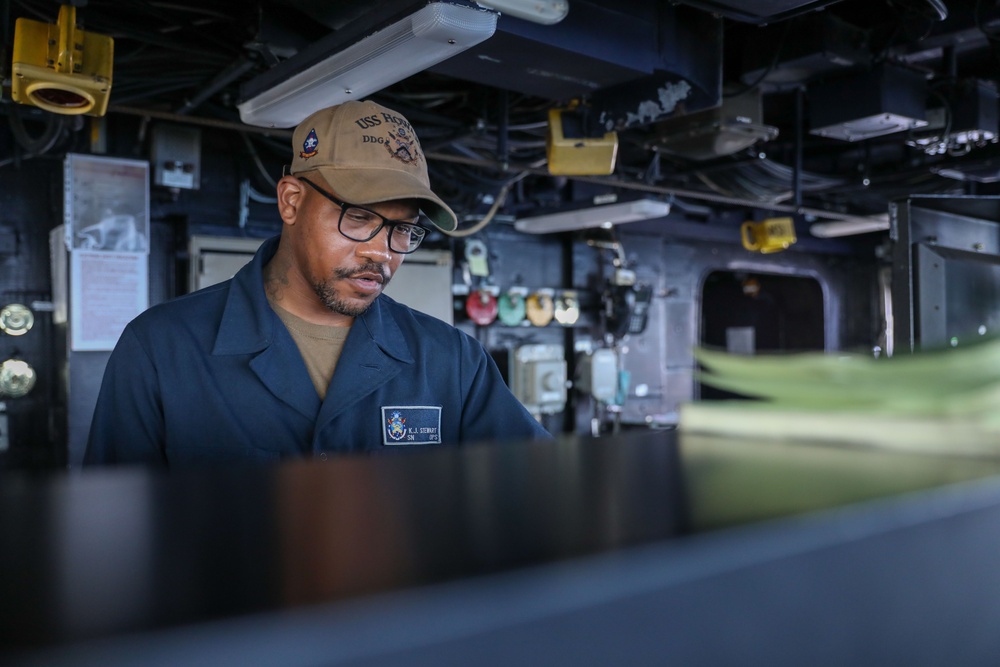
(328, 295)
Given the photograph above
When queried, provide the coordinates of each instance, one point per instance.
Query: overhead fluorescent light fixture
(546, 12)
(430, 35)
(851, 227)
(607, 215)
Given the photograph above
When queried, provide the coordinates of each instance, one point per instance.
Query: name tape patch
(411, 424)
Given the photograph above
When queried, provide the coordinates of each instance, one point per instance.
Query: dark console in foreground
(642, 549)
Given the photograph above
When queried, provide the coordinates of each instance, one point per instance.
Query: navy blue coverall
(215, 376)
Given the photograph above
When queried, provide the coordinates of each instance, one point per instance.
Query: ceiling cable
(643, 187)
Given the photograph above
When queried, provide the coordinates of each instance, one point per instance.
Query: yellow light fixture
(571, 153)
(767, 236)
(60, 68)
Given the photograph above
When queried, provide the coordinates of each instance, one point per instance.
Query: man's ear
(290, 194)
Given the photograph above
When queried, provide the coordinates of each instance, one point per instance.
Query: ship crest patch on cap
(310, 146)
(401, 146)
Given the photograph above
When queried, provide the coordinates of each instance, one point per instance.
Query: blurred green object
(946, 400)
(941, 381)
(735, 481)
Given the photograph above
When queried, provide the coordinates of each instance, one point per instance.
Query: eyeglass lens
(362, 225)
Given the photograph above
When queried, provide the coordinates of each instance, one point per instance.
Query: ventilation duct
(803, 49)
(885, 100)
(635, 62)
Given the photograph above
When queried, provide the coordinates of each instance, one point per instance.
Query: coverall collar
(247, 302)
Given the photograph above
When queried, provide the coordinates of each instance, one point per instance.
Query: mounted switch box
(598, 375)
(538, 378)
(176, 156)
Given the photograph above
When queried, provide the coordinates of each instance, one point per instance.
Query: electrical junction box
(538, 378)
(176, 156)
(598, 375)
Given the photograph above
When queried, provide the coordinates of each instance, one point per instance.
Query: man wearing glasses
(300, 354)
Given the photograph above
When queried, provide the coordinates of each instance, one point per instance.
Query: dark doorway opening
(747, 313)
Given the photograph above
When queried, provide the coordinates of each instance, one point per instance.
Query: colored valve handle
(481, 307)
(512, 309)
(540, 309)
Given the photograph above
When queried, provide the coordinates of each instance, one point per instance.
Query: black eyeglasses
(359, 224)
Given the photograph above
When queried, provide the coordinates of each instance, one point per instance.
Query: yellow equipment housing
(578, 156)
(60, 68)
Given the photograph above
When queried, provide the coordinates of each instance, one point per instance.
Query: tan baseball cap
(367, 154)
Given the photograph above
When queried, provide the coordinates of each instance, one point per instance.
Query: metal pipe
(502, 149)
(221, 80)
(206, 122)
(800, 95)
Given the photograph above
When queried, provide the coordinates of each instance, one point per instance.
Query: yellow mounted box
(61, 69)
(767, 236)
(578, 156)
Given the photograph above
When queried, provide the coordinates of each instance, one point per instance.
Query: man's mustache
(370, 267)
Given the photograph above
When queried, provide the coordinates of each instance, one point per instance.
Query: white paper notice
(107, 290)
(106, 204)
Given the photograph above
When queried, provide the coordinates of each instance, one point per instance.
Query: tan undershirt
(319, 344)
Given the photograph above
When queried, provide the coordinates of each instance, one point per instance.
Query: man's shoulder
(189, 309)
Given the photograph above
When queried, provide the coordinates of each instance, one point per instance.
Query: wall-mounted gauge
(17, 378)
(16, 319)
